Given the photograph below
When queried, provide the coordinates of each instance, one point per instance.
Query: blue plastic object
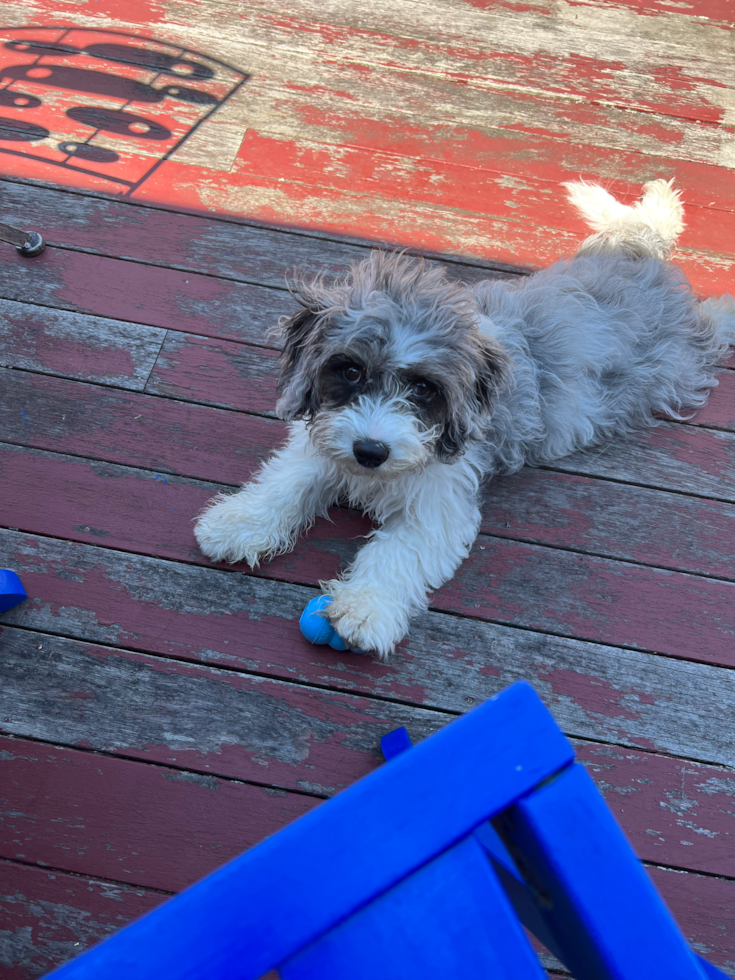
(316, 627)
(414, 873)
(12, 592)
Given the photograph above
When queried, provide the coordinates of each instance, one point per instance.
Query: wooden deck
(159, 714)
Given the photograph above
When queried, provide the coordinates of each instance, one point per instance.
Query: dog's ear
(298, 395)
(493, 372)
(467, 420)
(298, 335)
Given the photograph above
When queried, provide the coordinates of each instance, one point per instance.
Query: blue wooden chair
(428, 868)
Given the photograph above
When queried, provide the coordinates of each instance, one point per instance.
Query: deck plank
(47, 917)
(71, 345)
(447, 662)
(136, 428)
(50, 916)
(150, 826)
(195, 717)
(156, 827)
(400, 124)
(562, 592)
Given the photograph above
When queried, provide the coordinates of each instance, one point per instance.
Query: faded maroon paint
(161, 828)
(218, 372)
(36, 338)
(145, 825)
(675, 812)
(193, 717)
(719, 411)
(48, 917)
(135, 429)
(140, 293)
(597, 599)
(612, 519)
(705, 910)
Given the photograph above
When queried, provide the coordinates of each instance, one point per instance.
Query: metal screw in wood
(28, 243)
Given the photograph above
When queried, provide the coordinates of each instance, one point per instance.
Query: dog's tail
(647, 228)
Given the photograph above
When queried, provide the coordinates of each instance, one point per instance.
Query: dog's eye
(422, 390)
(352, 374)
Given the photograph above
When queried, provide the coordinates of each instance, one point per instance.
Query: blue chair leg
(599, 904)
(448, 920)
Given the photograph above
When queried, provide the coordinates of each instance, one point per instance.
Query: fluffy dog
(405, 391)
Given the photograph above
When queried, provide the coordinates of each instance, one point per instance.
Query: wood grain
(227, 247)
(149, 825)
(137, 429)
(110, 352)
(199, 718)
(216, 372)
(595, 599)
(133, 291)
(48, 917)
(517, 583)
(613, 519)
(447, 662)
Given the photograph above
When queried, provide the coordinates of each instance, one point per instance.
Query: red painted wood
(140, 293)
(145, 825)
(217, 372)
(705, 910)
(109, 352)
(135, 429)
(719, 412)
(532, 244)
(505, 581)
(577, 595)
(674, 812)
(47, 917)
(158, 827)
(449, 662)
(142, 511)
(612, 519)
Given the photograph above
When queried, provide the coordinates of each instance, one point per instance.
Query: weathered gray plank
(217, 372)
(447, 662)
(670, 457)
(199, 718)
(47, 917)
(111, 352)
(223, 246)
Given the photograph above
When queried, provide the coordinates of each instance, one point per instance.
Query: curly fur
(453, 384)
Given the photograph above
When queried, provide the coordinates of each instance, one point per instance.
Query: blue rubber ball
(11, 590)
(316, 627)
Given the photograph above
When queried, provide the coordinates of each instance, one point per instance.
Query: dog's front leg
(417, 549)
(264, 518)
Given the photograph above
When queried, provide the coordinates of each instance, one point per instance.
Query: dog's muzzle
(370, 454)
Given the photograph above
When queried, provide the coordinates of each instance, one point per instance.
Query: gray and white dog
(405, 391)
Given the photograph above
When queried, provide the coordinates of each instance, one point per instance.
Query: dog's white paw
(242, 527)
(367, 618)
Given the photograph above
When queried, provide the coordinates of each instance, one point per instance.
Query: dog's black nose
(370, 454)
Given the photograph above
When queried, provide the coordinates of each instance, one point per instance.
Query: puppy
(405, 391)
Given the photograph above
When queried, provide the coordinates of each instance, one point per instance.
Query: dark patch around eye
(341, 379)
(428, 398)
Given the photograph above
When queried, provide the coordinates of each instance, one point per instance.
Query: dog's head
(388, 366)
